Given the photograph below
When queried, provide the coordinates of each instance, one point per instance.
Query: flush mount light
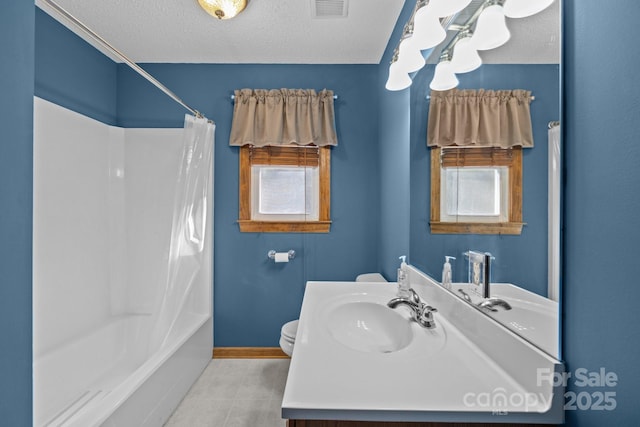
(223, 9)
(524, 8)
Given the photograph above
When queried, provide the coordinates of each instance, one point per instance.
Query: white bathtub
(105, 378)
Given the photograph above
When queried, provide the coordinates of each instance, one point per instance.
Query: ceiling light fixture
(491, 29)
(444, 8)
(410, 58)
(444, 78)
(524, 8)
(223, 9)
(465, 56)
(398, 78)
(427, 28)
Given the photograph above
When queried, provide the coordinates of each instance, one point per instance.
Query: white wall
(71, 216)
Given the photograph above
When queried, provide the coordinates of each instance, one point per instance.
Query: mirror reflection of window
(476, 190)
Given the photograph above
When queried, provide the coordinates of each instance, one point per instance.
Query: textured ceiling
(267, 31)
(280, 32)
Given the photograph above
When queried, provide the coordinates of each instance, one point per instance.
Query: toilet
(290, 329)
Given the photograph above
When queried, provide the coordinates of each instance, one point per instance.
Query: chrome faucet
(420, 312)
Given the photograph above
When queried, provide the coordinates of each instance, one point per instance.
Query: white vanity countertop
(440, 376)
(533, 317)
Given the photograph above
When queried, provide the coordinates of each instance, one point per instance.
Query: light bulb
(524, 8)
(427, 30)
(444, 8)
(444, 78)
(491, 30)
(398, 78)
(465, 56)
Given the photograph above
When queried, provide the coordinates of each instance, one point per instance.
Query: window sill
(514, 228)
(248, 226)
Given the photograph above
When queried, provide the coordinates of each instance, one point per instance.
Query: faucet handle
(414, 296)
(428, 309)
(426, 316)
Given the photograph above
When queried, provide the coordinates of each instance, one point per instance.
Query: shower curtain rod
(120, 55)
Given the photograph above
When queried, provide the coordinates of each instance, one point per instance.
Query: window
(285, 189)
(476, 190)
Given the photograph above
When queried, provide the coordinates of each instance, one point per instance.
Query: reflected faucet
(489, 303)
(420, 312)
(486, 289)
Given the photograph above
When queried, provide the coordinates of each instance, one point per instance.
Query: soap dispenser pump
(446, 272)
(403, 279)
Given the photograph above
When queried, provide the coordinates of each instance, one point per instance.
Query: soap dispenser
(446, 272)
(403, 279)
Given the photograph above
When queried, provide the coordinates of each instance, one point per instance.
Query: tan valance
(263, 117)
(481, 118)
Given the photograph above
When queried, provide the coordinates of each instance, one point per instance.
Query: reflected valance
(263, 117)
(480, 118)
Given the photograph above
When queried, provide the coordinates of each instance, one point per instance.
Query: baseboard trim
(248, 353)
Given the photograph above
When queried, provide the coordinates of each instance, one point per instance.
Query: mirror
(524, 268)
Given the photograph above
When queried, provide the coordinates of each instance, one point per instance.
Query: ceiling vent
(329, 8)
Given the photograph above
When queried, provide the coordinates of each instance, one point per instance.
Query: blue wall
(393, 182)
(71, 73)
(253, 297)
(16, 183)
(602, 201)
(522, 259)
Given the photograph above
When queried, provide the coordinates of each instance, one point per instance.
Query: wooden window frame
(322, 225)
(514, 224)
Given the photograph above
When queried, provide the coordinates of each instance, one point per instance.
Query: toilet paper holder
(272, 254)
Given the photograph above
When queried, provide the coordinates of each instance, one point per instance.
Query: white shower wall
(103, 209)
(72, 245)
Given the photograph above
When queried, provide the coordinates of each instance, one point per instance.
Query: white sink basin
(362, 322)
(369, 327)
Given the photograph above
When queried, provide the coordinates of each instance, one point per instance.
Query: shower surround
(122, 268)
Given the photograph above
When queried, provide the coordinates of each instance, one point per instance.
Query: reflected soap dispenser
(446, 272)
(403, 279)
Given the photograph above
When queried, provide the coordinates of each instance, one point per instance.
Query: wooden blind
(285, 155)
(482, 156)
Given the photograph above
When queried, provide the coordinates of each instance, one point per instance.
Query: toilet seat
(289, 330)
(288, 336)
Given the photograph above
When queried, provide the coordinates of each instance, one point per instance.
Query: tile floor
(235, 393)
